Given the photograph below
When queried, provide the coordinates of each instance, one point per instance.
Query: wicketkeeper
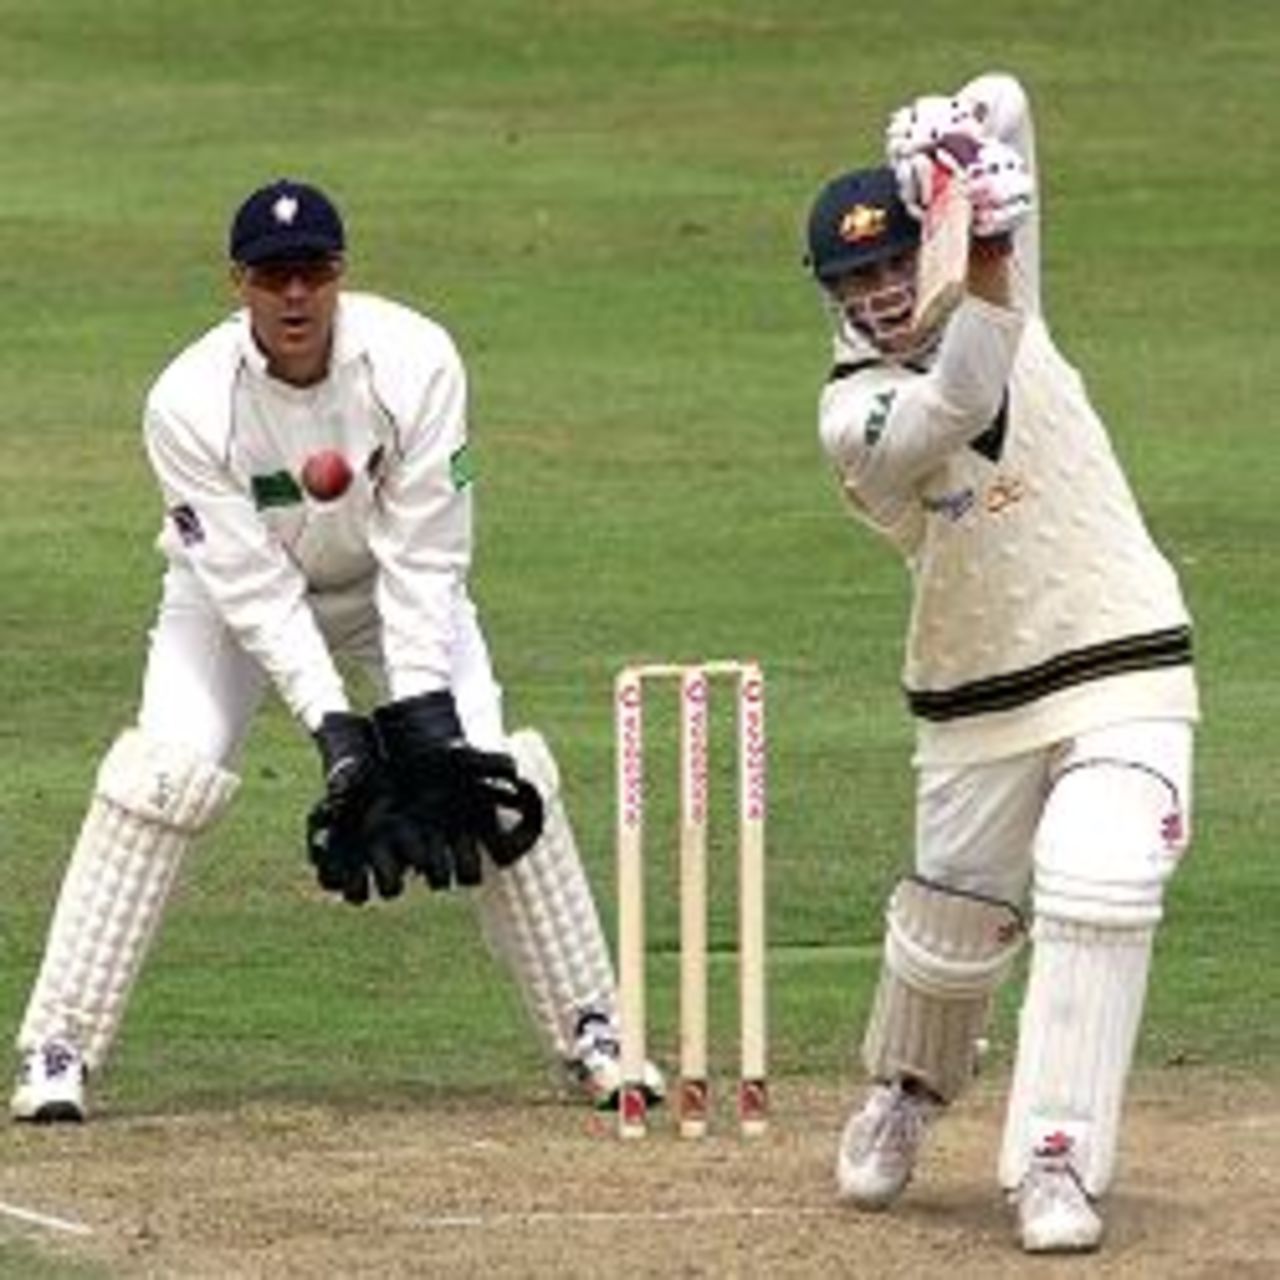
(312, 455)
(1048, 665)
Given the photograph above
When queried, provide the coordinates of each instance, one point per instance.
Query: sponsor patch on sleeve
(461, 467)
(878, 417)
(187, 524)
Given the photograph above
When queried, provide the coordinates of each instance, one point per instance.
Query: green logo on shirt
(878, 418)
(462, 469)
(279, 489)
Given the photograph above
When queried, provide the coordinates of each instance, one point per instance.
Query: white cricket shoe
(1055, 1213)
(880, 1144)
(597, 1069)
(50, 1085)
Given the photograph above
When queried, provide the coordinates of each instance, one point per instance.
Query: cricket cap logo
(857, 219)
(863, 222)
(285, 210)
(285, 221)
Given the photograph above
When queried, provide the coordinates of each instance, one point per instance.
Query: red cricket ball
(326, 475)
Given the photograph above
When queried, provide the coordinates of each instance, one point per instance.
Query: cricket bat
(943, 262)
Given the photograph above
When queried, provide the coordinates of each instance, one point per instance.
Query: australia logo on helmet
(285, 210)
(862, 222)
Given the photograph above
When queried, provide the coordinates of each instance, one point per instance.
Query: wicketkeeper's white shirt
(228, 444)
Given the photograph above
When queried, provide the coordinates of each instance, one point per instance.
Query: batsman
(312, 454)
(1048, 666)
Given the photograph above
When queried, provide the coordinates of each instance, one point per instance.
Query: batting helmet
(858, 219)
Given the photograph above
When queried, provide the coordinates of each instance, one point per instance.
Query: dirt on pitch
(541, 1188)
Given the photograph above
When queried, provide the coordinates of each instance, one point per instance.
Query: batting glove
(1000, 186)
(1001, 190)
(922, 125)
(917, 174)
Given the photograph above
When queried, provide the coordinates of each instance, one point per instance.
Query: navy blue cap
(858, 219)
(286, 220)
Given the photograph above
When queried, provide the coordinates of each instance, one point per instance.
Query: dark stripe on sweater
(1148, 652)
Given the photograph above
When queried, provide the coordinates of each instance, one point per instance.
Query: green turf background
(603, 202)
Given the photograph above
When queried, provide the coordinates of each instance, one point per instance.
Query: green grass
(603, 202)
(23, 1261)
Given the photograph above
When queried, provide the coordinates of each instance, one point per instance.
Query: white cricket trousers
(979, 826)
(201, 688)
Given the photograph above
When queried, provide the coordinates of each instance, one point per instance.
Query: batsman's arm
(885, 427)
(1000, 102)
(212, 523)
(989, 275)
(845, 410)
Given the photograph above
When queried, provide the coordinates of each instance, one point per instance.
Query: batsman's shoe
(50, 1086)
(881, 1142)
(1055, 1214)
(597, 1069)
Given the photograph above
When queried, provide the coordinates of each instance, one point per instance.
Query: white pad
(1109, 870)
(945, 954)
(1106, 846)
(1076, 1036)
(150, 800)
(1075, 1040)
(540, 917)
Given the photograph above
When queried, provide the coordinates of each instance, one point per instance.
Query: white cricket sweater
(1041, 605)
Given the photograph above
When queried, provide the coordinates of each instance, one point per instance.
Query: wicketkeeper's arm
(421, 529)
(259, 592)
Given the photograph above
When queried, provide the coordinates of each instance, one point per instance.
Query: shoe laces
(1052, 1174)
(594, 1037)
(906, 1118)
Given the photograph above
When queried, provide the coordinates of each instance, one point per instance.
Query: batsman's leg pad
(1098, 894)
(540, 917)
(150, 799)
(945, 954)
(1076, 1035)
(1112, 870)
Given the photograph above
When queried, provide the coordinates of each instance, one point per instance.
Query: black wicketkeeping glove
(459, 799)
(355, 833)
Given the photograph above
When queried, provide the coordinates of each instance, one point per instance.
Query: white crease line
(560, 1217)
(44, 1220)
